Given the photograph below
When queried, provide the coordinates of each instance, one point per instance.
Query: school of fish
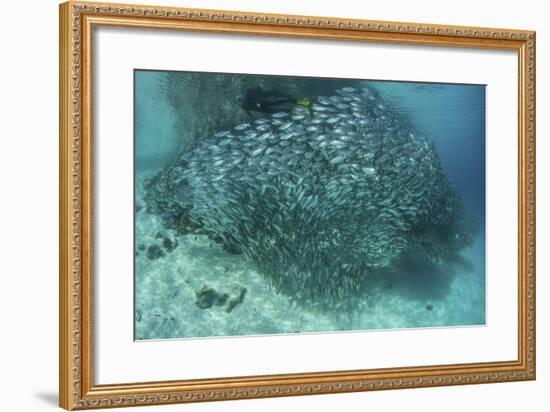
(320, 196)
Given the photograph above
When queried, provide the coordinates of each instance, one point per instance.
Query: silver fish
(280, 115)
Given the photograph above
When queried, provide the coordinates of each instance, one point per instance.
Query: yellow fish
(304, 102)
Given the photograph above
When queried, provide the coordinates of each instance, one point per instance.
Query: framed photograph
(258, 205)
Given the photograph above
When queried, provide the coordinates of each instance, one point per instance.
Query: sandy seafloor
(165, 298)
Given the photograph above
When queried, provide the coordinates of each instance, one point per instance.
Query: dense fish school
(318, 197)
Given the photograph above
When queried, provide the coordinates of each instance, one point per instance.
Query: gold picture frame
(76, 369)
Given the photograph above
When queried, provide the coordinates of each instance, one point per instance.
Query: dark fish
(263, 101)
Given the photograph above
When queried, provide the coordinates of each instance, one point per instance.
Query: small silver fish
(280, 115)
(338, 159)
(257, 151)
(222, 134)
(319, 108)
(349, 90)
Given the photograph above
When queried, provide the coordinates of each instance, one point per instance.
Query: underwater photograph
(281, 205)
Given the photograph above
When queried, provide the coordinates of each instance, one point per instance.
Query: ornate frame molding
(77, 20)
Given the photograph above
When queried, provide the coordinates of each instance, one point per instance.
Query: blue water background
(155, 132)
(452, 116)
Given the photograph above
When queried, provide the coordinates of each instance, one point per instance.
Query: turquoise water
(218, 253)
(453, 117)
